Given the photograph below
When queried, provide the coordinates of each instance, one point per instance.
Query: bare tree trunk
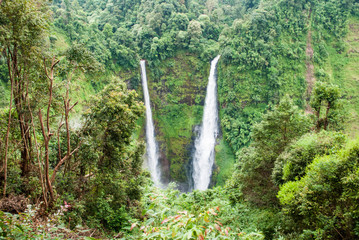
(20, 97)
(26, 145)
(43, 186)
(58, 138)
(68, 109)
(69, 153)
(317, 113)
(47, 133)
(8, 125)
(47, 137)
(326, 116)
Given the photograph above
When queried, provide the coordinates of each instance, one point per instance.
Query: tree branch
(43, 186)
(62, 161)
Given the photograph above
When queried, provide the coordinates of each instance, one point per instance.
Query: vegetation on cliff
(71, 122)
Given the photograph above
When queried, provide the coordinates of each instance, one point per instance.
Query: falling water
(204, 145)
(152, 154)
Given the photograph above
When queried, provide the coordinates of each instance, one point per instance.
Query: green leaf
(20, 227)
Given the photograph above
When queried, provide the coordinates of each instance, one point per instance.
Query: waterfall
(151, 144)
(203, 158)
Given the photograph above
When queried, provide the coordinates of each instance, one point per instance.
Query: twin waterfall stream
(203, 157)
(151, 144)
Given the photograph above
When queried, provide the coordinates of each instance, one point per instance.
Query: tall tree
(77, 58)
(23, 24)
(270, 137)
(279, 127)
(324, 97)
(110, 125)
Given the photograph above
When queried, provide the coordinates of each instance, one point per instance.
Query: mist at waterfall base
(203, 158)
(151, 144)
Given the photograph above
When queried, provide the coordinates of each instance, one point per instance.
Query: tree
(113, 119)
(210, 5)
(279, 127)
(155, 22)
(179, 21)
(252, 178)
(109, 126)
(108, 31)
(292, 163)
(23, 25)
(209, 29)
(324, 203)
(325, 96)
(194, 33)
(194, 29)
(76, 58)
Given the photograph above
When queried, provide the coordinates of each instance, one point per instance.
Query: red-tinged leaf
(132, 226)
(219, 223)
(217, 227)
(178, 216)
(143, 227)
(218, 209)
(206, 232)
(201, 237)
(226, 231)
(165, 220)
(212, 211)
(239, 234)
(203, 227)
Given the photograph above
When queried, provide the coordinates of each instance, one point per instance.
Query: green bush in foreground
(324, 203)
(291, 164)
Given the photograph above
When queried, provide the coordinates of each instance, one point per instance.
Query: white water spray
(151, 144)
(205, 142)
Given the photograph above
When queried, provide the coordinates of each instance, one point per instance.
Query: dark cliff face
(177, 90)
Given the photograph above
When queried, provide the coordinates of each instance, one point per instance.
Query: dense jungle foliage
(72, 118)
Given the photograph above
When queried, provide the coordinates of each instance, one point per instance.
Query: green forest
(73, 119)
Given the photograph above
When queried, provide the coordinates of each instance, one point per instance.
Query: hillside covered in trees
(73, 129)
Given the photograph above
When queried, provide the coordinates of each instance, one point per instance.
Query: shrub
(324, 203)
